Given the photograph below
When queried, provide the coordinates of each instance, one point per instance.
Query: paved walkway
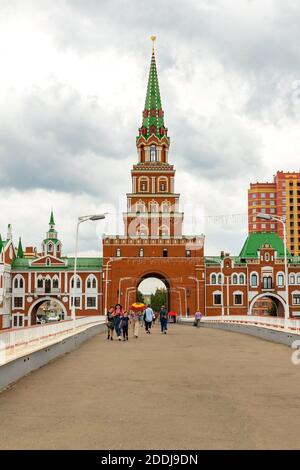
(193, 388)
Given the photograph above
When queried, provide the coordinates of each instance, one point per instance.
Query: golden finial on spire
(153, 39)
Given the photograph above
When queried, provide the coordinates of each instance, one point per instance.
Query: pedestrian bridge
(200, 387)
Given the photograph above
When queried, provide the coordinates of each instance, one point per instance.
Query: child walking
(124, 325)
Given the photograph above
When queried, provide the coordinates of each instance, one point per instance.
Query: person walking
(135, 322)
(198, 316)
(117, 320)
(148, 318)
(163, 316)
(110, 323)
(124, 325)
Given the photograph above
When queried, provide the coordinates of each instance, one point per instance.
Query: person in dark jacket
(163, 316)
(117, 320)
(110, 323)
(124, 325)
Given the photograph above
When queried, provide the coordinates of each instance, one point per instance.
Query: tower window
(141, 252)
(118, 252)
(165, 253)
(153, 154)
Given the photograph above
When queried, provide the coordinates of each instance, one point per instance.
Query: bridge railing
(28, 336)
(267, 321)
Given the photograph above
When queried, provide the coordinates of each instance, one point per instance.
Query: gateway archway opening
(47, 310)
(154, 289)
(267, 305)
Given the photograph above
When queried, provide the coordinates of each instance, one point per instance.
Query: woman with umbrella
(136, 309)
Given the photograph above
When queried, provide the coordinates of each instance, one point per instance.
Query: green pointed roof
(20, 253)
(51, 219)
(153, 115)
(1, 243)
(255, 241)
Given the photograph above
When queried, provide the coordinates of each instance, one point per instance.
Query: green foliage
(273, 310)
(139, 297)
(158, 299)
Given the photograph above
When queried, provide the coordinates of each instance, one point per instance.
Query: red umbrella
(172, 314)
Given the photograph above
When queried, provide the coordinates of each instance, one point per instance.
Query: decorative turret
(9, 232)
(20, 252)
(51, 245)
(153, 131)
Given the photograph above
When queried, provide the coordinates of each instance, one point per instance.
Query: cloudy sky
(73, 80)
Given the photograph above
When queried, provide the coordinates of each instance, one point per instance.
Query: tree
(158, 299)
(140, 297)
(273, 310)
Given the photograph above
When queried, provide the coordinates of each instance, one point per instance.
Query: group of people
(119, 320)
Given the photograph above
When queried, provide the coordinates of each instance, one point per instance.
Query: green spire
(1, 243)
(153, 115)
(51, 219)
(20, 253)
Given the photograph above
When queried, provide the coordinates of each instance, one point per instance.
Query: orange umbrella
(137, 306)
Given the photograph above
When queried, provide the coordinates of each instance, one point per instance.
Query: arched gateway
(276, 299)
(32, 312)
(153, 241)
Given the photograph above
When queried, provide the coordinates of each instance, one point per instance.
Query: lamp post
(128, 292)
(198, 291)
(81, 219)
(185, 296)
(282, 220)
(120, 281)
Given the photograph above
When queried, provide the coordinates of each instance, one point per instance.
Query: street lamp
(81, 219)
(198, 290)
(120, 281)
(282, 220)
(185, 296)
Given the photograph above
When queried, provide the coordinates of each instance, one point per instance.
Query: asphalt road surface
(190, 389)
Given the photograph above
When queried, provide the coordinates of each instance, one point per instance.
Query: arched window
(292, 279)
(298, 279)
(267, 257)
(220, 279)
(267, 282)
(280, 279)
(164, 231)
(16, 283)
(143, 183)
(141, 252)
(21, 283)
(213, 279)
(91, 282)
(165, 207)
(48, 262)
(254, 280)
(242, 279)
(153, 153)
(55, 283)
(118, 252)
(50, 247)
(234, 279)
(78, 283)
(40, 283)
(153, 206)
(143, 231)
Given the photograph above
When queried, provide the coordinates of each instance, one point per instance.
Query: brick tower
(153, 244)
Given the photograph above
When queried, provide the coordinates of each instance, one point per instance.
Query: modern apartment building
(279, 198)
